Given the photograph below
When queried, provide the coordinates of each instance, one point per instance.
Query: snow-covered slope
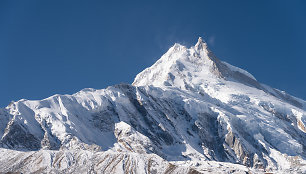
(189, 112)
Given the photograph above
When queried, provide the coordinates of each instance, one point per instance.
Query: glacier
(188, 113)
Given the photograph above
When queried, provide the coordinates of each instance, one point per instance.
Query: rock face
(189, 112)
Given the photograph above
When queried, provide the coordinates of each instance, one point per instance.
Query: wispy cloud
(211, 40)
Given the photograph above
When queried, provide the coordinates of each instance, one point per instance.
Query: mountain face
(187, 113)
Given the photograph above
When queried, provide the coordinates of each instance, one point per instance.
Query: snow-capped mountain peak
(188, 112)
(182, 66)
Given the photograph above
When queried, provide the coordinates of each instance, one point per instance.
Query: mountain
(188, 113)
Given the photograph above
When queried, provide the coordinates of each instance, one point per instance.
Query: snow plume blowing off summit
(188, 113)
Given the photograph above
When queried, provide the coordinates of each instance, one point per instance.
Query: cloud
(211, 40)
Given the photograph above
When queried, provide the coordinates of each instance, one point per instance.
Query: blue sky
(61, 47)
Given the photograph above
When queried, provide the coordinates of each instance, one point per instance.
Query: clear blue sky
(61, 47)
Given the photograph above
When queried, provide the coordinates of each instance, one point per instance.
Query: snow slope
(189, 112)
